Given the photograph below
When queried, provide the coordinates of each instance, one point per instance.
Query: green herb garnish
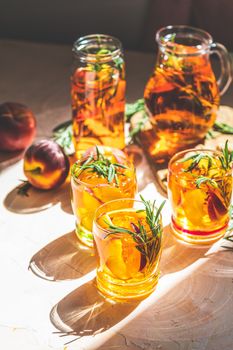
(132, 108)
(101, 165)
(226, 158)
(196, 158)
(138, 127)
(24, 188)
(203, 179)
(223, 128)
(63, 135)
(147, 245)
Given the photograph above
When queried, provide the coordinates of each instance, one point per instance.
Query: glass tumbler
(90, 189)
(128, 249)
(199, 190)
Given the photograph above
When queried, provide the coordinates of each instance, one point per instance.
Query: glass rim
(178, 155)
(83, 42)
(119, 200)
(203, 47)
(78, 181)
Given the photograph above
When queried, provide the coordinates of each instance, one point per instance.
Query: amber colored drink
(182, 94)
(90, 188)
(183, 99)
(98, 94)
(128, 263)
(199, 189)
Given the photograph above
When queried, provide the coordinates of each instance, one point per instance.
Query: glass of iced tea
(182, 94)
(200, 189)
(127, 236)
(101, 175)
(98, 92)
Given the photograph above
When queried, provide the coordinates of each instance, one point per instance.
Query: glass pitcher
(182, 95)
(98, 93)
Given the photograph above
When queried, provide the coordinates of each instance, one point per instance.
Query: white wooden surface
(192, 307)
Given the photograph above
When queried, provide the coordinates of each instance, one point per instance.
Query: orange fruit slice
(123, 258)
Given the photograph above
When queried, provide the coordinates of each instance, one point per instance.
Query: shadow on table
(9, 158)
(85, 312)
(192, 309)
(63, 259)
(177, 255)
(37, 200)
(144, 176)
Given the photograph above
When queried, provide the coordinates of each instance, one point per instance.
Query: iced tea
(182, 94)
(98, 93)
(199, 189)
(103, 174)
(127, 236)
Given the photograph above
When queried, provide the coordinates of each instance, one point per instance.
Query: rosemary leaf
(227, 157)
(196, 160)
(63, 135)
(223, 128)
(24, 188)
(132, 108)
(101, 165)
(146, 245)
(203, 179)
(111, 173)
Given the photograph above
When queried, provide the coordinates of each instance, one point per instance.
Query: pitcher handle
(226, 66)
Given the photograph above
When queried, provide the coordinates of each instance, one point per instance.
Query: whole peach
(46, 166)
(17, 126)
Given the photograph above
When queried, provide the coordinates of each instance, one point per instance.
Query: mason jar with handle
(182, 95)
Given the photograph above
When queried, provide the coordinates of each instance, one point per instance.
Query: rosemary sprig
(226, 158)
(152, 215)
(132, 108)
(63, 135)
(203, 179)
(24, 188)
(147, 245)
(101, 165)
(196, 158)
(223, 128)
(138, 127)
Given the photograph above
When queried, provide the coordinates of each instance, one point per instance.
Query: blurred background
(134, 22)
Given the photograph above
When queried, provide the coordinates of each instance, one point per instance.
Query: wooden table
(192, 307)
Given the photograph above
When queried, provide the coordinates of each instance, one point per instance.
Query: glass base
(127, 291)
(84, 235)
(198, 236)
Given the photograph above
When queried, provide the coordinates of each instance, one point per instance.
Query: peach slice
(193, 203)
(123, 258)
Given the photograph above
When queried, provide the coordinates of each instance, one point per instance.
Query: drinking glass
(128, 249)
(199, 189)
(90, 189)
